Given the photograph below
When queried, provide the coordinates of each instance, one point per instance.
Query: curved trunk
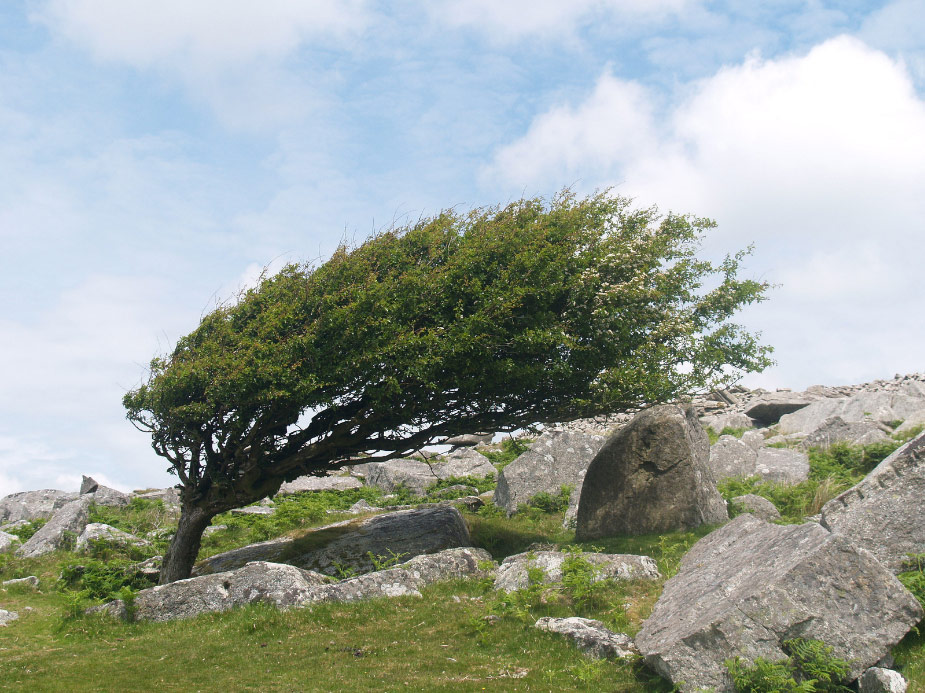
(184, 547)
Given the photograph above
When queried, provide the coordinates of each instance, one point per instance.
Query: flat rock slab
(651, 476)
(554, 460)
(344, 546)
(836, 430)
(289, 587)
(732, 458)
(65, 525)
(32, 581)
(97, 531)
(768, 409)
(745, 588)
(591, 637)
(885, 512)
(170, 497)
(33, 505)
(512, 573)
(876, 405)
(782, 465)
(418, 475)
(319, 483)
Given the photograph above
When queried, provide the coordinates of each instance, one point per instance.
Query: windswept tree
(488, 321)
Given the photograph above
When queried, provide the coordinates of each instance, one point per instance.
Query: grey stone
(512, 573)
(768, 409)
(464, 462)
(97, 531)
(591, 637)
(103, 495)
(836, 430)
(912, 421)
(652, 475)
(7, 617)
(879, 680)
(212, 529)
(418, 475)
(753, 439)
(254, 510)
(731, 458)
(877, 405)
(319, 483)
(170, 496)
(456, 489)
(554, 460)
(289, 587)
(346, 545)
(719, 422)
(885, 512)
(469, 439)
(64, 526)
(33, 505)
(782, 465)
(757, 506)
(361, 506)
(748, 586)
(8, 541)
(88, 485)
(31, 580)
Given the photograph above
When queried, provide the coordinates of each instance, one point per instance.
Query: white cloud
(208, 33)
(897, 28)
(516, 19)
(819, 159)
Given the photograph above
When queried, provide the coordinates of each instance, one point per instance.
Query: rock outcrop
(745, 588)
(419, 475)
(554, 460)
(652, 475)
(345, 546)
(319, 483)
(837, 430)
(757, 506)
(97, 531)
(885, 512)
(33, 505)
(512, 573)
(591, 637)
(63, 528)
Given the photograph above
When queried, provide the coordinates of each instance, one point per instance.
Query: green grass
(442, 642)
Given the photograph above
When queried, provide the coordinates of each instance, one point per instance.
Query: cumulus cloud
(817, 158)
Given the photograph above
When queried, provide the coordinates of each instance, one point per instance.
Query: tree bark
(184, 547)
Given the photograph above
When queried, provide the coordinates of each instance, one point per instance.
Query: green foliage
(580, 581)
(382, 562)
(548, 503)
(498, 319)
(511, 449)
(906, 436)
(480, 484)
(25, 531)
(142, 517)
(727, 431)
(765, 677)
(810, 668)
(914, 579)
(816, 662)
(98, 580)
(848, 463)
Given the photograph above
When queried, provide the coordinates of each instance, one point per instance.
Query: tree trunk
(184, 547)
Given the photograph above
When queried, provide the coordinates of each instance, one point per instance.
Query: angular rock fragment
(31, 580)
(591, 636)
(345, 546)
(768, 408)
(836, 430)
(63, 528)
(652, 475)
(885, 512)
(513, 572)
(879, 680)
(749, 586)
(782, 465)
(866, 404)
(7, 617)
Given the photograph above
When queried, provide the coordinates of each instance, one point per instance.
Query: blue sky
(155, 156)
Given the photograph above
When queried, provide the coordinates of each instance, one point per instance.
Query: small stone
(878, 680)
(7, 617)
(757, 506)
(592, 637)
(31, 580)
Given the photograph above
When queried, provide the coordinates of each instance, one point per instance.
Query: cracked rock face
(345, 546)
(885, 512)
(651, 476)
(33, 505)
(748, 586)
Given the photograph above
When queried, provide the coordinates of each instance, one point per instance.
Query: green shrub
(511, 449)
(25, 532)
(98, 580)
(548, 503)
(811, 667)
(914, 579)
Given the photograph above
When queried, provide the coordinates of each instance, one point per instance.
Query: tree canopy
(490, 320)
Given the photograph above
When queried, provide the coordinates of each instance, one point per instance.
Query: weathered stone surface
(103, 495)
(88, 485)
(7, 617)
(31, 580)
(730, 458)
(254, 510)
(590, 636)
(512, 573)
(837, 430)
(8, 541)
(879, 680)
(757, 506)
(65, 525)
(464, 462)
(287, 586)
(554, 460)
(782, 465)
(469, 439)
(345, 545)
(97, 531)
(885, 512)
(362, 506)
(719, 422)
(33, 505)
(912, 421)
(168, 496)
(319, 483)
(748, 586)
(753, 439)
(652, 475)
(419, 475)
(769, 408)
(873, 404)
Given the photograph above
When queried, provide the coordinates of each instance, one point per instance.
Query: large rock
(469, 439)
(719, 422)
(345, 546)
(33, 505)
(61, 530)
(652, 475)
(731, 458)
(837, 430)
(554, 460)
(747, 587)
(877, 405)
(8, 541)
(885, 512)
(103, 495)
(782, 465)
(97, 531)
(512, 573)
(757, 506)
(418, 475)
(170, 496)
(287, 586)
(768, 409)
(319, 483)
(591, 637)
